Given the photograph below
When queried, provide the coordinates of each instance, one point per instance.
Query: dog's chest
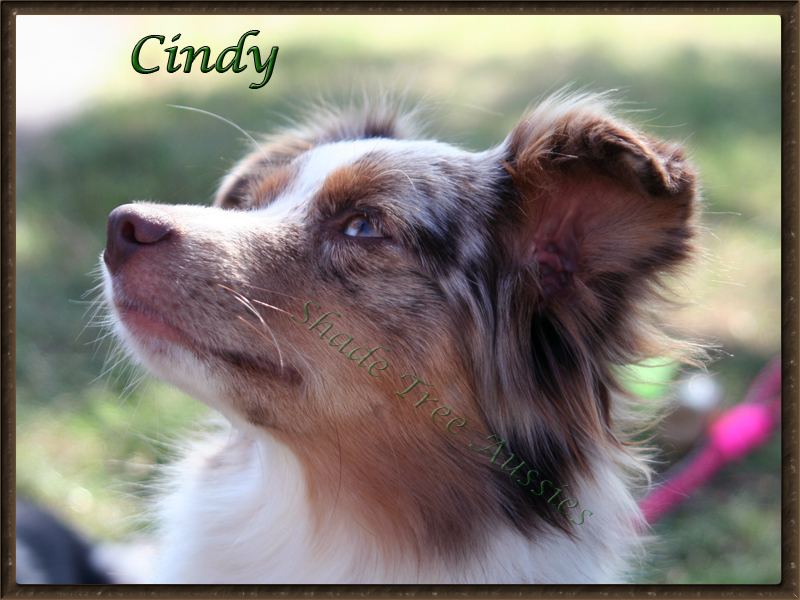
(239, 513)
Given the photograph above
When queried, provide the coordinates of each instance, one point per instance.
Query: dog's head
(513, 282)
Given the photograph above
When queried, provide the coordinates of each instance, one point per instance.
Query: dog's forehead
(323, 161)
(317, 165)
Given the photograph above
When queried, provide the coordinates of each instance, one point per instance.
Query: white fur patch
(322, 161)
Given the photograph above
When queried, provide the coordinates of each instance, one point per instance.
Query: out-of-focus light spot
(742, 325)
(701, 393)
(45, 92)
(80, 500)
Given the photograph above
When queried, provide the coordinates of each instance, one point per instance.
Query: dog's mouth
(142, 321)
(146, 324)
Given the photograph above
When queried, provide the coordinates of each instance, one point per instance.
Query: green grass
(87, 452)
(728, 531)
(88, 456)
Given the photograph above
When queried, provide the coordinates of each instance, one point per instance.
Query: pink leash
(737, 432)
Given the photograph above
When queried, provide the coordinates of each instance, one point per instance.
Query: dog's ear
(596, 199)
(599, 212)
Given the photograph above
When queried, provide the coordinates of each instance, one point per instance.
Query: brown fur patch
(268, 188)
(348, 185)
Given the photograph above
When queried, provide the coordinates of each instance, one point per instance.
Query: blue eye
(361, 226)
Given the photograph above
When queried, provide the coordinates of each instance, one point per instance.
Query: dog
(418, 348)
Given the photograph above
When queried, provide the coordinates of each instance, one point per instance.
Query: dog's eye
(361, 226)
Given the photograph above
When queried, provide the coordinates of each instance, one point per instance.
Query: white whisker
(229, 122)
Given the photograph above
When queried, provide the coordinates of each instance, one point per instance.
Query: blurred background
(93, 134)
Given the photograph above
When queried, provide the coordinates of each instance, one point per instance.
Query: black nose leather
(131, 228)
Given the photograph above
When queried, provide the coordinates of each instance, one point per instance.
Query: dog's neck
(242, 512)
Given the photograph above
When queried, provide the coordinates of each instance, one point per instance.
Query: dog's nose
(131, 228)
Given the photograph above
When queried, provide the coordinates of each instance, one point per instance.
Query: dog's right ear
(596, 198)
(599, 212)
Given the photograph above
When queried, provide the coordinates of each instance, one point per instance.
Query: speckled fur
(516, 280)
